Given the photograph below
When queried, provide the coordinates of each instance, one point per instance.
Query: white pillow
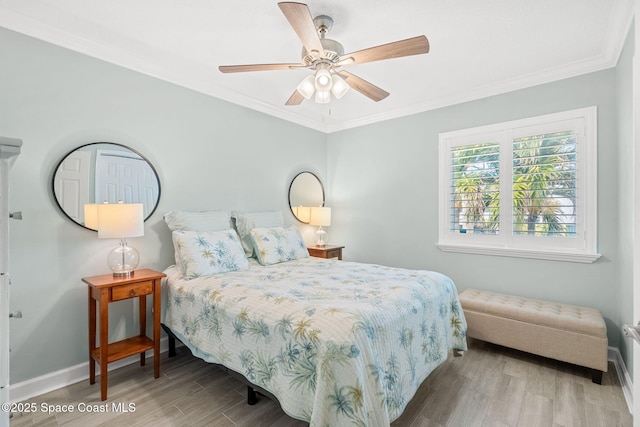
(198, 221)
(278, 244)
(245, 221)
(202, 253)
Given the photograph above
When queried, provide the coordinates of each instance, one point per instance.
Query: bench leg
(596, 376)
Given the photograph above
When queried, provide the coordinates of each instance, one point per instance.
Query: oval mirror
(305, 191)
(104, 171)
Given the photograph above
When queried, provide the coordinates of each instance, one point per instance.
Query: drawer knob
(132, 292)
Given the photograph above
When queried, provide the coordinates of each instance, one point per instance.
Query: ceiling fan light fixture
(323, 97)
(307, 87)
(325, 55)
(339, 87)
(323, 80)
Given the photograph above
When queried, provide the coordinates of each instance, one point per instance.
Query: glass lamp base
(123, 260)
(322, 237)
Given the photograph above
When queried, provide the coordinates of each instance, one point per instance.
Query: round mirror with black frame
(101, 172)
(305, 191)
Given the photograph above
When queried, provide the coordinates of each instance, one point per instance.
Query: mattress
(337, 343)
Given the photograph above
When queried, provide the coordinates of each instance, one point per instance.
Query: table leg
(92, 338)
(104, 341)
(156, 327)
(142, 306)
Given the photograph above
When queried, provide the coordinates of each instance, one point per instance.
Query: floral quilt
(338, 343)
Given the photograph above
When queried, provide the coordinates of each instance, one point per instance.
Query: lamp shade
(339, 87)
(120, 220)
(323, 80)
(320, 216)
(91, 216)
(303, 213)
(323, 97)
(307, 87)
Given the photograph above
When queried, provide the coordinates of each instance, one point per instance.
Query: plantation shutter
(475, 189)
(544, 177)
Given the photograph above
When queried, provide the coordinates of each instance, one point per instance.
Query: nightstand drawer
(334, 253)
(131, 291)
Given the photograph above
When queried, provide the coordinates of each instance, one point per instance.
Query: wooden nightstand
(105, 289)
(326, 251)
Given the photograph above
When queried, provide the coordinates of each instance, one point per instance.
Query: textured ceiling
(478, 48)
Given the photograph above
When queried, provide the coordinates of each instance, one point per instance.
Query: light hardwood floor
(488, 386)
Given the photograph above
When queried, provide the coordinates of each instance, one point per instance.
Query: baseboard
(623, 376)
(25, 390)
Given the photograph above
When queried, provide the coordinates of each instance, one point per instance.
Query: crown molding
(620, 21)
(619, 24)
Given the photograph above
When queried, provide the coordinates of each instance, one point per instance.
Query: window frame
(583, 247)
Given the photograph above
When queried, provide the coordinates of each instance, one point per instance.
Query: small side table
(105, 289)
(327, 251)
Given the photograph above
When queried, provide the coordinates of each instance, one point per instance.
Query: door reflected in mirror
(305, 191)
(104, 172)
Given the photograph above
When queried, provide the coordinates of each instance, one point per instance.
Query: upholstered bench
(563, 332)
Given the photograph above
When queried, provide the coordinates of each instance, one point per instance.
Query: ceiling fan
(326, 57)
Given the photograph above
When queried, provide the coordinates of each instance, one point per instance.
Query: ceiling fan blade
(258, 67)
(295, 98)
(300, 19)
(413, 46)
(364, 87)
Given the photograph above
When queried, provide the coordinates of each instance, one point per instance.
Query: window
(525, 188)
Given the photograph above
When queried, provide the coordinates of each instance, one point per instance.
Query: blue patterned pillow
(245, 221)
(202, 253)
(278, 244)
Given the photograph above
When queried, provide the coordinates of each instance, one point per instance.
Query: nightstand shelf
(125, 348)
(105, 289)
(328, 251)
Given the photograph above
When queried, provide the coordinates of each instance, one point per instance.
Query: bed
(337, 343)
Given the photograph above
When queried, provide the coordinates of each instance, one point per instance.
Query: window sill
(586, 258)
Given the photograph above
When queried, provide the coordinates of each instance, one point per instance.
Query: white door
(147, 187)
(71, 184)
(127, 177)
(636, 236)
(4, 336)
(4, 347)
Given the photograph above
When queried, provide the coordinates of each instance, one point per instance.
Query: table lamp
(119, 221)
(320, 216)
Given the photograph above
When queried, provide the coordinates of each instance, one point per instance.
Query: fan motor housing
(333, 50)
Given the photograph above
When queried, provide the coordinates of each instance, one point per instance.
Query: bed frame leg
(171, 341)
(458, 353)
(252, 396)
(596, 376)
(172, 346)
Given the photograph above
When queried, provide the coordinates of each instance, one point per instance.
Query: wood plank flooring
(489, 386)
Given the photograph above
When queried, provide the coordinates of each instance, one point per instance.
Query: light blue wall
(624, 78)
(209, 154)
(384, 184)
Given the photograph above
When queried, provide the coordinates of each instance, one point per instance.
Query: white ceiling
(478, 48)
